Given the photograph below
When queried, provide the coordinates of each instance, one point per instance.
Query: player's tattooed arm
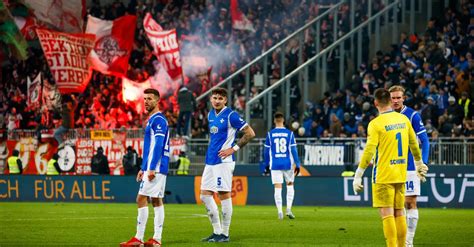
(249, 134)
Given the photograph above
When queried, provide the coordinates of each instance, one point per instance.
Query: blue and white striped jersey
(223, 128)
(420, 131)
(280, 149)
(156, 144)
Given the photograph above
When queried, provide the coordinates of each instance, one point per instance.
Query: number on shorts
(410, 185)
(219, 182)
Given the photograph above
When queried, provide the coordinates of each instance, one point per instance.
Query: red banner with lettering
(66, 55)
(165, 46)
(33, 156)
(76, 155)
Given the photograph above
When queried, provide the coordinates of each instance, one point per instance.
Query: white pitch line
(70, 218)
(96, 218)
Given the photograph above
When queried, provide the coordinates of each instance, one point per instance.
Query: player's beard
(150, 108)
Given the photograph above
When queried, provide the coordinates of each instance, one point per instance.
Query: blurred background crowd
(436, 68)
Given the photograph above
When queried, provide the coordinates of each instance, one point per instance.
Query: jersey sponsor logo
(395, 126)
(222, 120)
(214, 130)
(398, 162)
(279, 134)
(158, 127)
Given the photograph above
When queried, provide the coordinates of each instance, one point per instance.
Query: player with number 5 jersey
(224, 124)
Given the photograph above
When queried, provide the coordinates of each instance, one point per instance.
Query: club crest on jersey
(214, 129)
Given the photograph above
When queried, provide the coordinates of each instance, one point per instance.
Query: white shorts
(412, 184)
(155, 188)
(278, 175)
(218, 177)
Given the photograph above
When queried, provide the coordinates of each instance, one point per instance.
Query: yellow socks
(390, 230)
(401, 223)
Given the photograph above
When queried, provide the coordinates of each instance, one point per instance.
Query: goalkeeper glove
(357, 183)
(421, 170)
(297, 171)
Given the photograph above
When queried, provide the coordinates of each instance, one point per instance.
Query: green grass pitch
(94, 224)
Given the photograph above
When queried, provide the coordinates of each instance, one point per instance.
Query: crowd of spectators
(435, 67)
(202, 22)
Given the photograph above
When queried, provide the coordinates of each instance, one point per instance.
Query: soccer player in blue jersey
(153, 171)
(280, 154)
(397, 94)
(224, 124)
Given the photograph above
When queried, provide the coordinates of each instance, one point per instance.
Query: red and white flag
(239, 20)
(66, 15)
(132, 93)
(113, 43)
(151, 24)
(27, 26)
(51, 98)
(165, 46)
(34, 92)
(66, 55)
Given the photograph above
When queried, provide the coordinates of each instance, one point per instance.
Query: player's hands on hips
(151, 175)
(140, 176)
(297, 171)
(357, 185)
(225, 153)
(421, 170)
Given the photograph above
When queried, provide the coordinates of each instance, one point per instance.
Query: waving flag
(10, 35)
(113, 43)
(66, 15)
(66, 55)
(165, 46)
(239, 20)
(34, 92)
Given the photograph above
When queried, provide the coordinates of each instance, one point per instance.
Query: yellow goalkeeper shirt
(388, 137)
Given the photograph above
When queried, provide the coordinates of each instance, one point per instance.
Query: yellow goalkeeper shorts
(388, 195)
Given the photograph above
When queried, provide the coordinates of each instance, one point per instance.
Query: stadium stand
(434, 66)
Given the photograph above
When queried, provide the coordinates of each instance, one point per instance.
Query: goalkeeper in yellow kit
(389, 136)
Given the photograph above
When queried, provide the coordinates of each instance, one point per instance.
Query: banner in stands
(239, 20)
(323, 155)
(76, 155)
(438, 191)
(62, 14)
(66, 55)
(165, 46)
(113, 43)
(34, 92)
(51, 98)
(33, 156)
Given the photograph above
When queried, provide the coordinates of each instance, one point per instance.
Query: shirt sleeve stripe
(266, 146)
(246, 124)
(421, 132)
(159, 134)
